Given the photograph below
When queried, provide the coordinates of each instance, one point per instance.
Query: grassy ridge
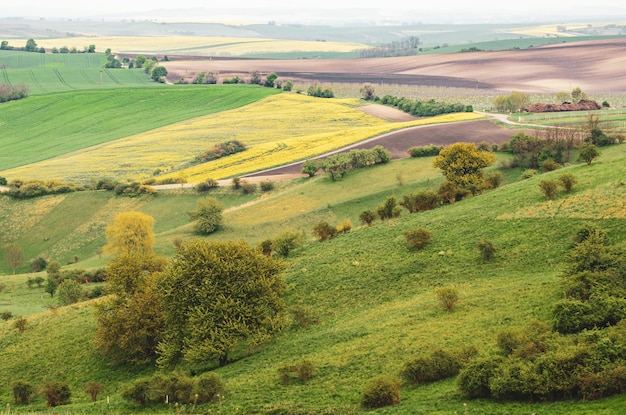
(42, 127)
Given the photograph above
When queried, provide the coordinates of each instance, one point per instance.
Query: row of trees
(421, 108)
(404, 47)
(337, 165)
(31, 46)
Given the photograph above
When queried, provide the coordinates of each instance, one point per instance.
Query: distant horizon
(283, 11)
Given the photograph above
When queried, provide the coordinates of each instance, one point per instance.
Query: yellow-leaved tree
(462, 164)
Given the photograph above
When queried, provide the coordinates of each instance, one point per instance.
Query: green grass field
(46, 73)
(374, 297)
(61, 123)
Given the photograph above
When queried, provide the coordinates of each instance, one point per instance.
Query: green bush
(493, 180)
(417, 238)
(424, 151)
(38, 264)
(286, 242)
(324, 230)
(439, 365)
(605, 383)
(528, 173)
(568, 180)
(22, 392)
(56, 393)
(137, 392)
(208, 386)
(380, 392)
(420, 201)
(247, 187)
(69, 292)
(267, 185)
(304, 316)
(549, 188)
(207, 216)
(367, 217)
(206, 186)
(171, 387)
(487, 249)
(473, 380)
(6, 315)
(549, 165)
(389, 209)
(448, 297)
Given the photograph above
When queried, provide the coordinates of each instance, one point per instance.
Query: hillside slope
(373, 297)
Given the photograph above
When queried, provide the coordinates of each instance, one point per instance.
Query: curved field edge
(376, 304)
(43, 127)
(277, 130)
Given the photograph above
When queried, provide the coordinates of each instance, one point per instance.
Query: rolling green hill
(373, 297)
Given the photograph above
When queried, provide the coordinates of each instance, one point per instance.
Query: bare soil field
(594, 66)
(398, 142)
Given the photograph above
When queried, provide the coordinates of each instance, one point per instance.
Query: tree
(310, 167)
(139, 61)
(462, 164)
(549, 188)
(367, 217)
(255, 77)
(14, 256)
(93, 389)
(130, 233)
(158, 73)
(578, 95)
(91, 49)
(207, 216)
(588, 153)
(218, 297)
(31, 46)
(270, 80)
(367, 92)
(69, 292)
(511, 103)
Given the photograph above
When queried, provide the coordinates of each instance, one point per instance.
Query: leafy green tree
(158, 73)
(31, 46)
(284, 243)
(310, 167)
(130, 233)
(69, 292)
(270, 80)
(219, 297)
(462, 164)
(588, 153)
(207, 216)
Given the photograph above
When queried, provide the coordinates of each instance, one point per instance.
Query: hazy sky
(73, 8)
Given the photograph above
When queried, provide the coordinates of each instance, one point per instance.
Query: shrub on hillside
(448, 297)
(133, 189)
(304, 316)
(286, 242)
(493, 180)
(473, 379)
(424, 151)
(389, 209)
(56, 393)
(417, 238)
(568, 180)
(206, 186)
(69, 292)
(438, 365)
(221, 150)
(420, 201)
(267, 185)
(93, 389)
(247, 187)
(487, 249)
(6, 315)
(324, 230)
(549, 165)
(380, 392)
(301, 370)
(137, 392)
(38, 264)
(367, 217)
(345, 226)
(528, 173)
(22, 392)
(171, 387)
(310, 167)
(549, 188)
(208, 386)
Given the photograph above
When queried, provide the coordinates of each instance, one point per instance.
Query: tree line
(403, 47)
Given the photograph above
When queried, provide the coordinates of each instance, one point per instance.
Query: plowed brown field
(594, 66)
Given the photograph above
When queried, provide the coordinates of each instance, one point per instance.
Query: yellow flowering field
(603, 202)
(277, 130)
(196, 45)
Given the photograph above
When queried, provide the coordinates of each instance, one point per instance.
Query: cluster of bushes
(550, 188)
(425, 151)
(324, 231)
(301, 370)
(423, 108)
(404, 47)
(24, 190)
(206, 185)
(68, 285)
(248, 188)
(282, 244)
(338, 165)
(133, 189)
(174, 387)
(319, 92)
(56, 393)
(584, 355)
(13, 92)
(221, 150)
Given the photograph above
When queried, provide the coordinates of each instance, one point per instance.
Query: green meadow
(373, 297)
